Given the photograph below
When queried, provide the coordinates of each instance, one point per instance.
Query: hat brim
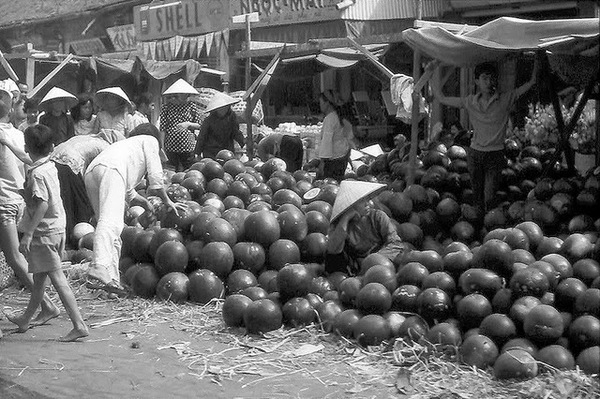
(345, 209)
(211, 108)
(102, 96)
(69, 102)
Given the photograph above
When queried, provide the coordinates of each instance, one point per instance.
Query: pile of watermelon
(516, 289)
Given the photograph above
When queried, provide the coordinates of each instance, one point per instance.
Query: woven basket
(7, 276)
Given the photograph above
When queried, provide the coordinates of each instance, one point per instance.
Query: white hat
(112, 91)
(220, 100)
(181, 87)
(352, 191)
(56, 93)
(5, 87)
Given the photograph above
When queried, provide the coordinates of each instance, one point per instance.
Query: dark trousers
(74, 196)
(485, 168)
(181, 160)
(336, 168)
(291, 151)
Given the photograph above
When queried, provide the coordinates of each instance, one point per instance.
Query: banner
(209, 39)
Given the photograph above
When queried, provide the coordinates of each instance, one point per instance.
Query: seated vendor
(284, 146)
(358, 230)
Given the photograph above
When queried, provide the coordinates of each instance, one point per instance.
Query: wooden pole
(8, 68)
(30, 74)
(386, 71)
(563, 142)
(249, 139)
(44, 81)
(414, 136)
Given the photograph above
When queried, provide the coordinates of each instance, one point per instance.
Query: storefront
(319, 57)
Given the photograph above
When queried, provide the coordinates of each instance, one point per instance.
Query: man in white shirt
(110, 181)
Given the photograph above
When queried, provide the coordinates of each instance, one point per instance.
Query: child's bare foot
(20, 321)
(44, 317)
(74, 335)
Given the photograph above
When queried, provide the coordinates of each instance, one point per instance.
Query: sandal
(94, 283)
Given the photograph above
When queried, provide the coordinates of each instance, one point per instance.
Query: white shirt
(132, 158)
(12, 174)
(334, 137)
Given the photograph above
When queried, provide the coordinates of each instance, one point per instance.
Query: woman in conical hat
(358, 229)
(114, 114)
(56, 103)
(220, 130)
(179, 119)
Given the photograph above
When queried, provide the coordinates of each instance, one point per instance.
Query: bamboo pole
(249, 139)
(414, 136)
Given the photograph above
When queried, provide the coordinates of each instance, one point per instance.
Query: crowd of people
(69, 159)
(81, 158)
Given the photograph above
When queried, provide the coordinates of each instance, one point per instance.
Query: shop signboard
(86, 46)
(122, 37)
(286, 12)
(160, 20)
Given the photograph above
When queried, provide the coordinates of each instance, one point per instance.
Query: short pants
(10, 213)
(45, 253)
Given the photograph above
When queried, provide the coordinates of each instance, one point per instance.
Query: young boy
(489, 112)
(12, 157)
(43, 228)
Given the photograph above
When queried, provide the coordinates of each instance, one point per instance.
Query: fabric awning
(159, 70)
(341, 57)
(502, 37)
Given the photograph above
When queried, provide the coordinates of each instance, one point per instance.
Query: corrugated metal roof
(393, 9)
(14, 12)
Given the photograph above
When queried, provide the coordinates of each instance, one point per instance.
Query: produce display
(516, 290)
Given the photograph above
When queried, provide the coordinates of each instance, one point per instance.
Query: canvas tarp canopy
(158, 70)
(505, 36)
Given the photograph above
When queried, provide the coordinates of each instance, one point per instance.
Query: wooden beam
(30, 71)
(388, 72)
(46, 79)
(261, 88)
(8, 68)
(568, 129)
(264, 73)
(315, 45)
(414, 132)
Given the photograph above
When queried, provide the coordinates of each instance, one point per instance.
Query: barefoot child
(12, 156)
(43, 228)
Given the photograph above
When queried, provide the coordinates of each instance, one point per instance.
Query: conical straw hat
(57, 93)
(181, 87)
(350, 192)
(111, 91)
(220, 100)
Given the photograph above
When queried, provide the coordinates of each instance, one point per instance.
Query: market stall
(319, 63)
(42, 71)
(504, 37)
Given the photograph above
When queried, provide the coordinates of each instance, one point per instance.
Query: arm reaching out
(524, 88)
(19, 152)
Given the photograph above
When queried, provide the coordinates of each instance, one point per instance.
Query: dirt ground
(148, 349)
